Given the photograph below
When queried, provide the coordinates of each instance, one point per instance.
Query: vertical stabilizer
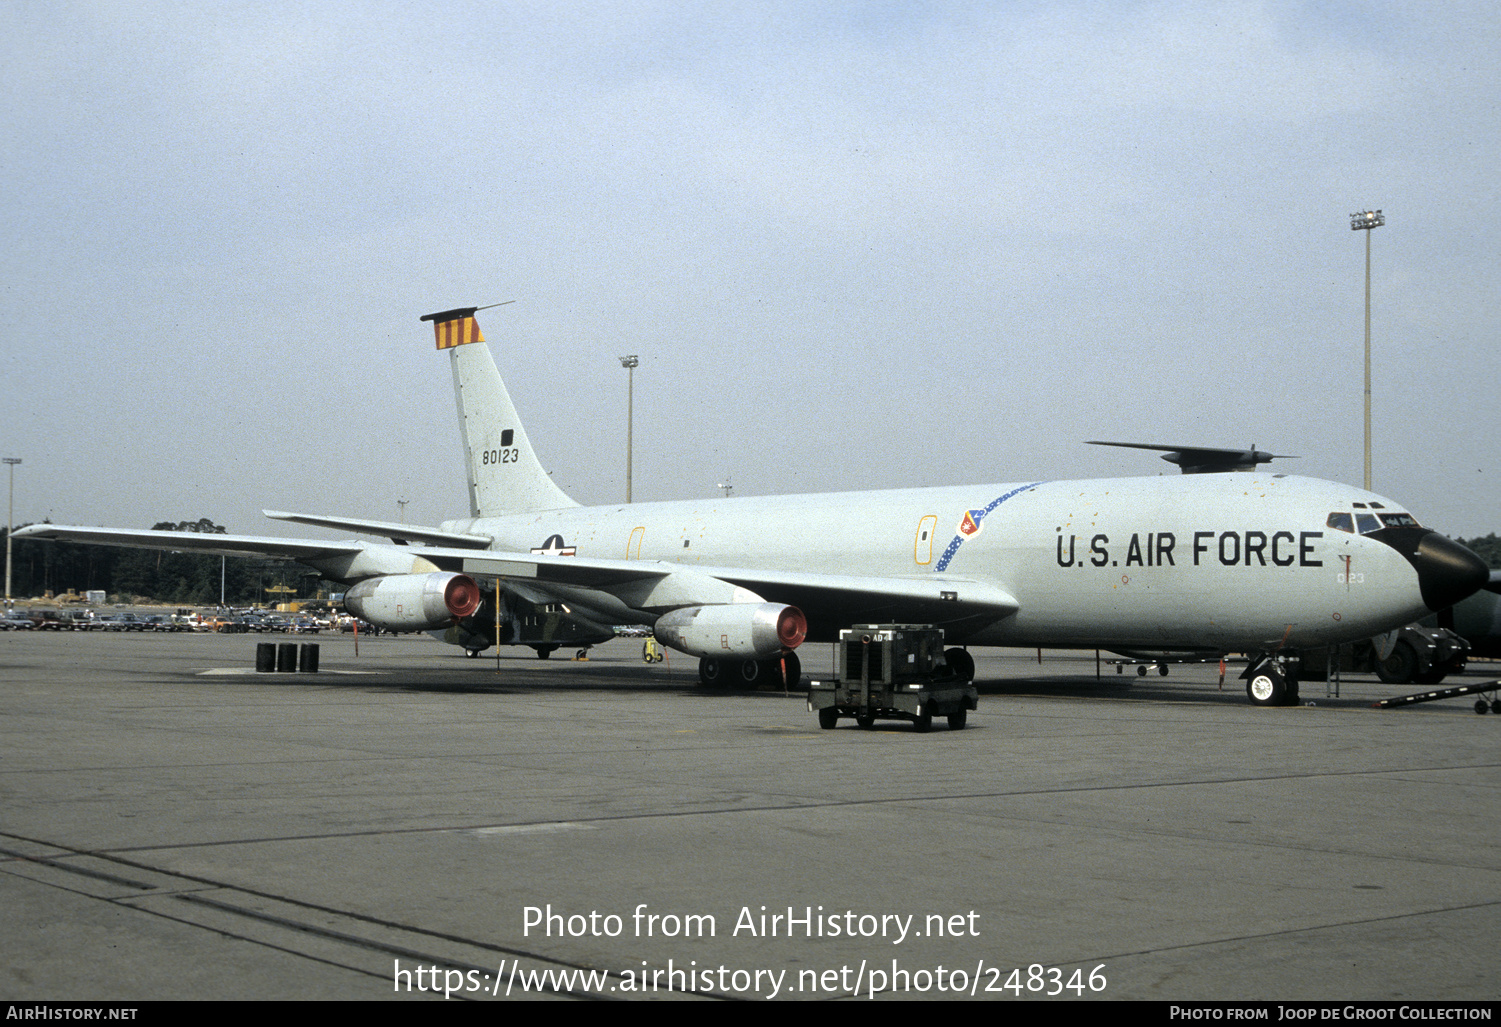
(504, 474)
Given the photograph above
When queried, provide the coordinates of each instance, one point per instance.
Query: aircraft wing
(838, 599)
(835, 601)
(830, 601)
(193, 541)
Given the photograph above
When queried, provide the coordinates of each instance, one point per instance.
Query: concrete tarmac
(175, 826)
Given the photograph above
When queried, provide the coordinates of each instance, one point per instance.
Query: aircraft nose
(1447, 571)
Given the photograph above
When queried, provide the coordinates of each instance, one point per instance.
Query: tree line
(125, 574)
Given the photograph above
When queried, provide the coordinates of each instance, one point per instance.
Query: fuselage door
(633, 546)
(922, 548)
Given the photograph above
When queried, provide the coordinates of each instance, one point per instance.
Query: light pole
(629, 363)
(403, 504)
(10, 523)
(1364, 222)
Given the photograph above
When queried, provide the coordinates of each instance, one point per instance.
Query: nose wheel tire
(1267, 687)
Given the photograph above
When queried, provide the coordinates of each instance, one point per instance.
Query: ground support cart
(892, 672)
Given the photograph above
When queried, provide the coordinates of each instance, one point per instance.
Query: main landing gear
(1272, 679)
(718, 672)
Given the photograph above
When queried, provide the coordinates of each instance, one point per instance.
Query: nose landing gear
(1272, 679)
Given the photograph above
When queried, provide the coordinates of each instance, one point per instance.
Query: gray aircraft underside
(1230, 561)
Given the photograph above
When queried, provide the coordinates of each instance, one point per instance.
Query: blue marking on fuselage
(958, 540)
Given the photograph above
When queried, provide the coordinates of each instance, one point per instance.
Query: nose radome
(1447, 571)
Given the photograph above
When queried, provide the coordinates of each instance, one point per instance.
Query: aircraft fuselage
(1160, 562)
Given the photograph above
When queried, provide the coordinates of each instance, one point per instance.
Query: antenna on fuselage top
(1205, 459)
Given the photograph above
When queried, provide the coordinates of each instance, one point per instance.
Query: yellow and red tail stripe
(458, 332)
(458, 327)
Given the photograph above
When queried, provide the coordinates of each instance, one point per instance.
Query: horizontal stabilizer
(398, 533)
(458, 327)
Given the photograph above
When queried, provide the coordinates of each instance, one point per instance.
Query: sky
(854, 245)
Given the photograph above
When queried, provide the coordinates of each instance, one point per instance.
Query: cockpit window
(1400, 520)
(1368, 523)
(1340, 521)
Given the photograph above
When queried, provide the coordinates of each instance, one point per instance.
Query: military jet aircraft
(1261, 563)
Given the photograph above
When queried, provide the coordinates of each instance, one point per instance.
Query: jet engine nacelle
(414, 602)
(751, 631)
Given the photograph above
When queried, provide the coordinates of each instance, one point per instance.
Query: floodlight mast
(10, 523)
(630, 363)
(1365, 221)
